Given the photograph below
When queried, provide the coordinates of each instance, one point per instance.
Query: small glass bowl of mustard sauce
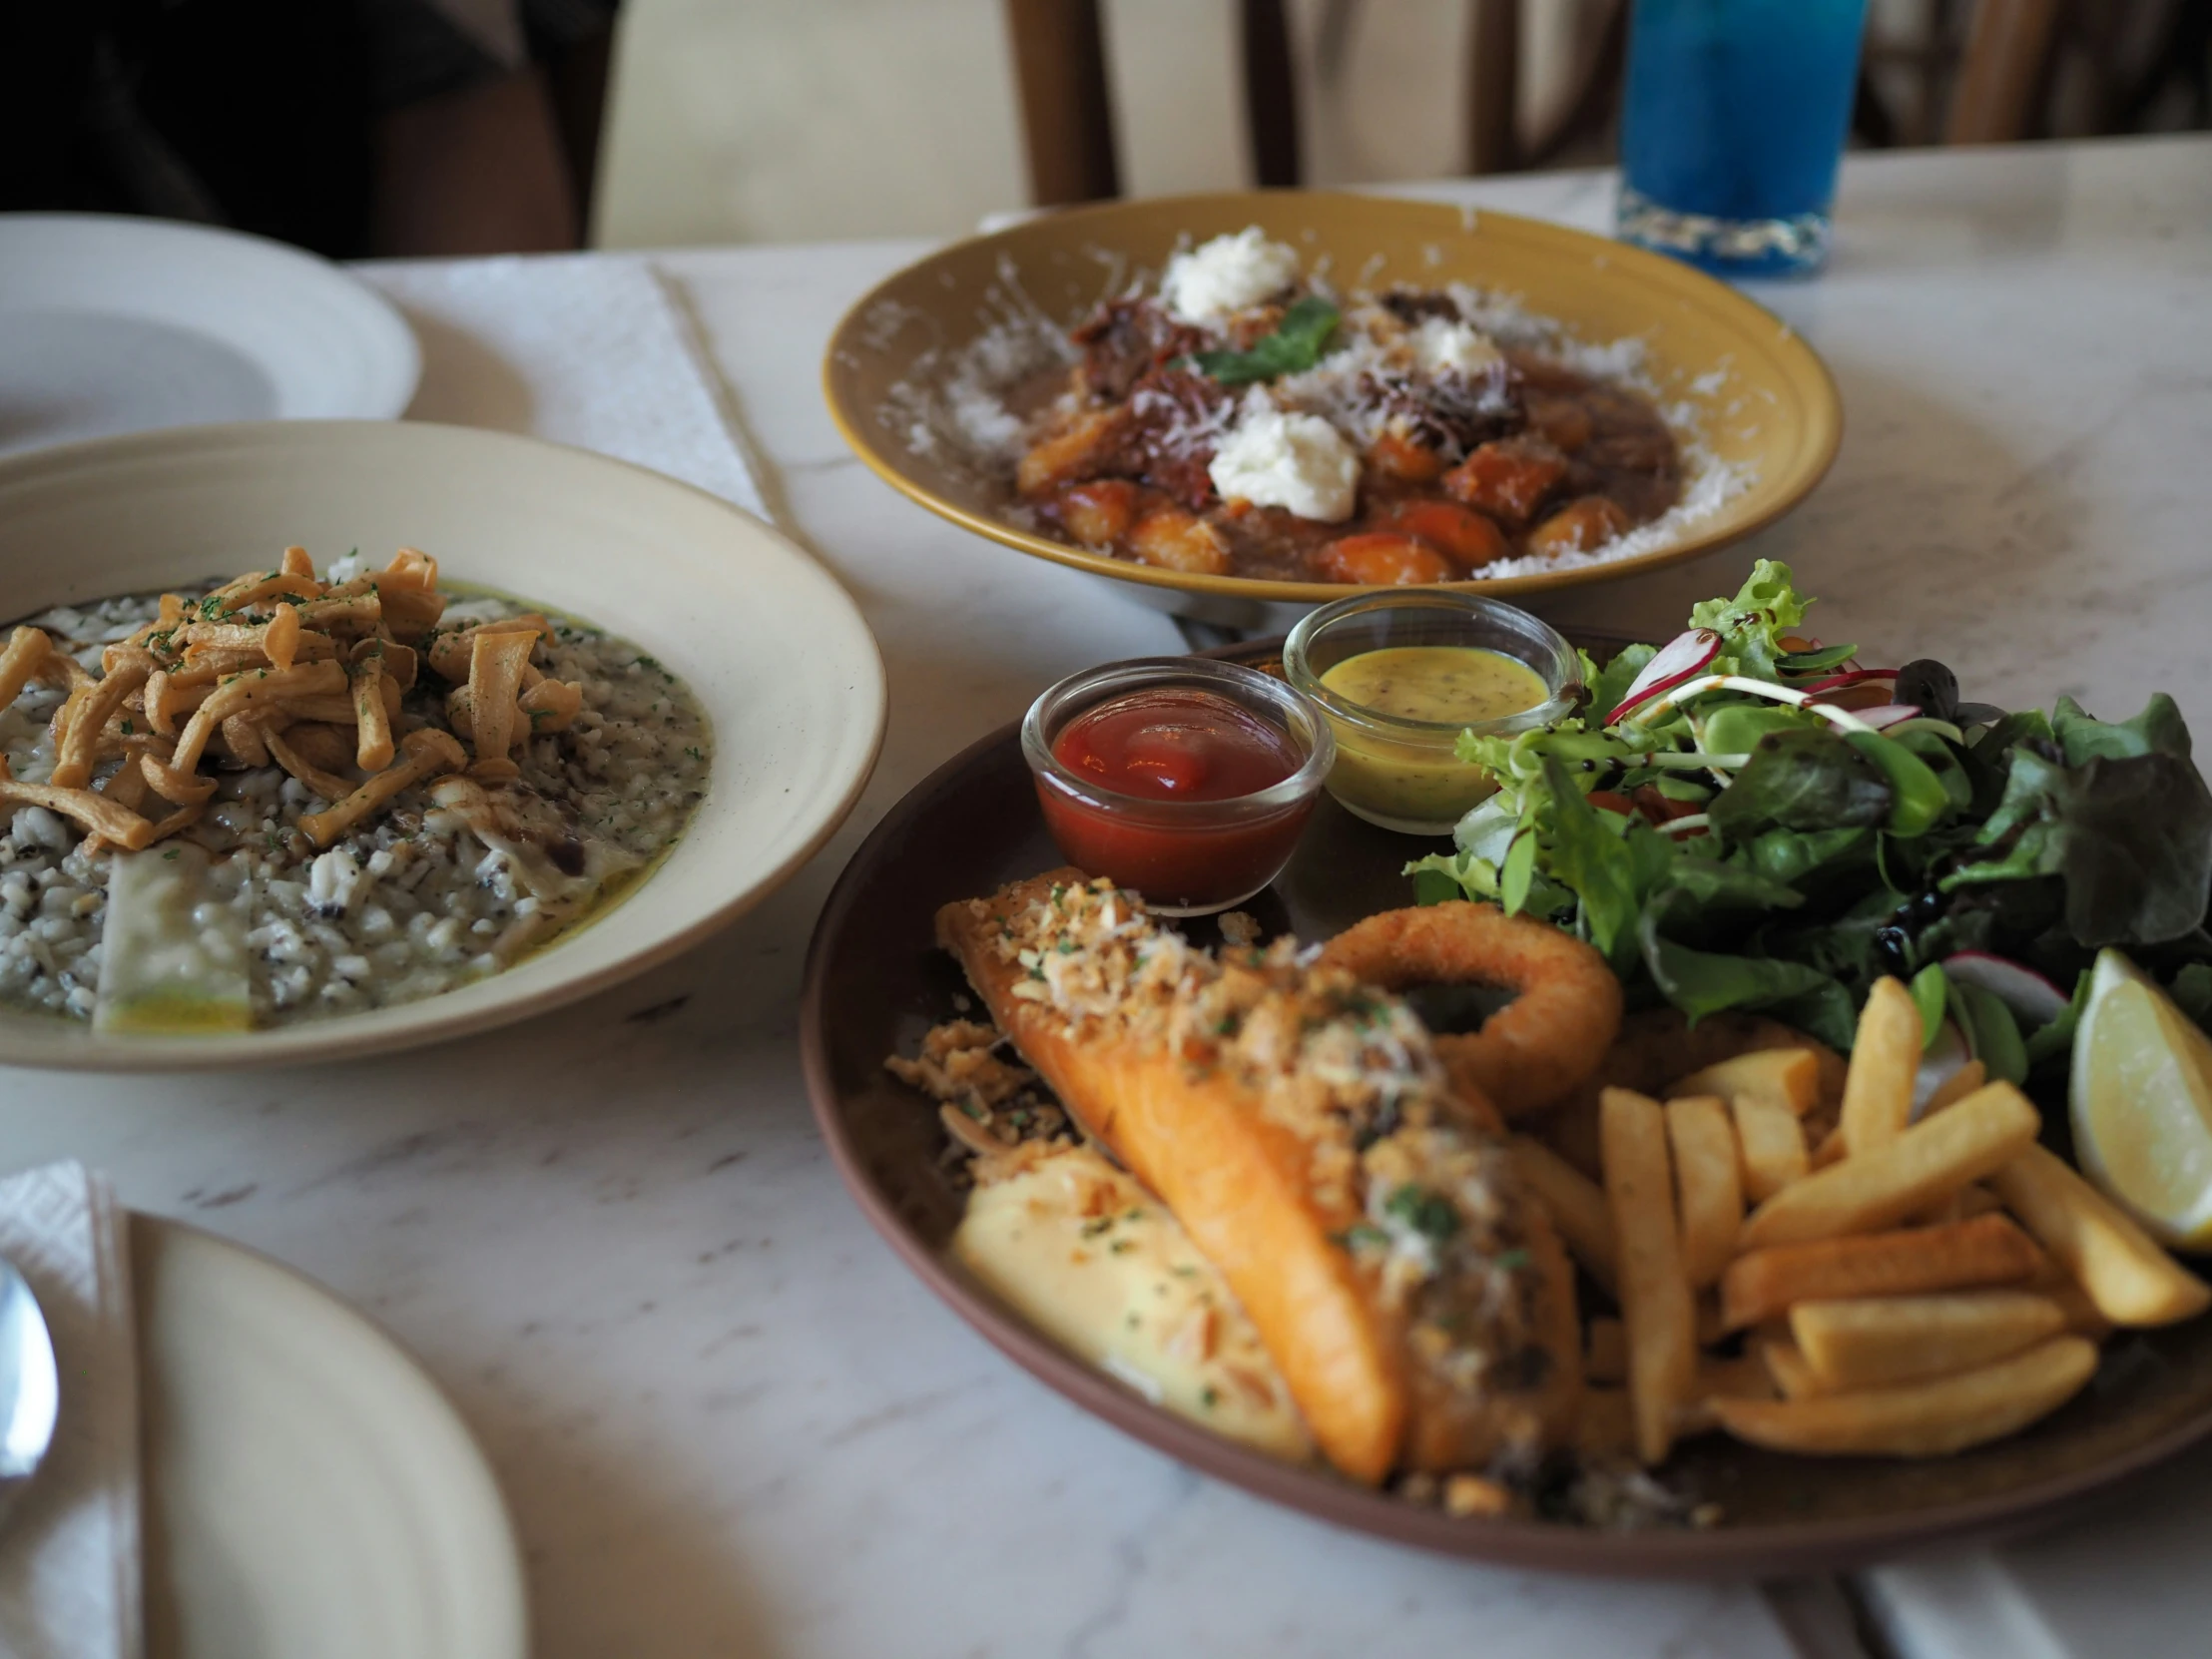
(1400, 674)
(1184, 778)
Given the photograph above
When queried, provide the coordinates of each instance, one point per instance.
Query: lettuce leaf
(1752, 624)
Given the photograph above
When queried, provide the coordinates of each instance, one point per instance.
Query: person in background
(350, 127)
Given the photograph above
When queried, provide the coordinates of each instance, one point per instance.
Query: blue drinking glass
(1732, 128)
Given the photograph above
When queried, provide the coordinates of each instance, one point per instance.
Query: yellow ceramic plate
(1760, 400)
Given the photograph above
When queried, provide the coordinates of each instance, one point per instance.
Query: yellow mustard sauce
(1422, 787)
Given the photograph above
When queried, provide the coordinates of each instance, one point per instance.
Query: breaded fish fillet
(1300, 1127)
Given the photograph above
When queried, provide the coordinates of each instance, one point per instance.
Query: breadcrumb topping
(1428, 1203)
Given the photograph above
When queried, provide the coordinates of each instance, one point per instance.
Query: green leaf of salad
(1824, 850)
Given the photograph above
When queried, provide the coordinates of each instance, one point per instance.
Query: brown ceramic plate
(875, 983)
(1761, 399)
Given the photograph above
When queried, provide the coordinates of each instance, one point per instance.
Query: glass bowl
(1406, 775)
(1187, 857)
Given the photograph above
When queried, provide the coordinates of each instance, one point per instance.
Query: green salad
(1745, 818)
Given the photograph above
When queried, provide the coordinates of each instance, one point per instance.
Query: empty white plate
(309, 1489)
(118, 324)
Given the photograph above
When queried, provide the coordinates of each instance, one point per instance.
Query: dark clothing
(257, 114)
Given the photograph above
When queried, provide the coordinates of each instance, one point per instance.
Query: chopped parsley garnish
(1120, 1244)
(1507, 1260)
(1362, 1235)
(1092, 1229)
(172, 853)
(1426, 1213)
(1208, 1397)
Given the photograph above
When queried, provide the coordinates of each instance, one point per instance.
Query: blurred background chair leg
(1066, 112)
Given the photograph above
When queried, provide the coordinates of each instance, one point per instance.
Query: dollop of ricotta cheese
(1219, 279)
(1275, 458)
(1442, 345)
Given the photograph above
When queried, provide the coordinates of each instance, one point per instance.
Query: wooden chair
(2015, 49)
(1996, 83)
(1067, 112)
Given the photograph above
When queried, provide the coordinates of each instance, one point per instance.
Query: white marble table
(727, 1421)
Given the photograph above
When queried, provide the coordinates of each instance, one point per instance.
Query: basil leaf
(1801, 780)
(1295, 347)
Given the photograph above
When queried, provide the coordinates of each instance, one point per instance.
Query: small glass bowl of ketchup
(1184, 779)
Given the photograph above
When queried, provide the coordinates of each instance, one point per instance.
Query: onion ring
(1535, 1050)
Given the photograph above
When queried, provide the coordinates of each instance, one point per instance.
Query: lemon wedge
(2142, 1103)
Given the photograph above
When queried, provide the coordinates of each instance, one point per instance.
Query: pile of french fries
(1899, 1284)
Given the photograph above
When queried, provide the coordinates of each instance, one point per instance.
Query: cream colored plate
(309, 1489)
(112, 323)
(773, 647)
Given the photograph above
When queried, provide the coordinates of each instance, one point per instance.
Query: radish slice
(1939, 1063)
(1856, 677)
(1887, 713)
(2032, 998)
(1678, 659)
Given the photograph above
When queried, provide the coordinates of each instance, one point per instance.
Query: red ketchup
(1153, 761)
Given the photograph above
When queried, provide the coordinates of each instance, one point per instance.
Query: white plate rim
(389, 351)
(490, 1003)
(504, 1602)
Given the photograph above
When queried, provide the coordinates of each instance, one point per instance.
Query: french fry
(1785, 1078)
(1706, 1183)
(1954, 1088)
(1771, 1143)
(1966, 1255)
(1884, 1059)
(1879, 1187)
(1577, 1207)
(1570, 1130)
(2125, 1273)
(1708, 1324)
(1604, 1427)
(1607, 1359)
(1655, 1296)
(1920, 1419)
(1787, 1369)
(1743, 1378)
(1871, 1341)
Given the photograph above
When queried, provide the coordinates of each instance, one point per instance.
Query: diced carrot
(1383, 559)
(1508, 478)
(1460, 534)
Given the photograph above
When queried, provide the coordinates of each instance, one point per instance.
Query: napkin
(598, 350)
(70, 1570)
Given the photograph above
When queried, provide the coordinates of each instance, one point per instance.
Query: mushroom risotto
(282, 798)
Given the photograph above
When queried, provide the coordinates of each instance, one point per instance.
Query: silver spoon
(30, 1387)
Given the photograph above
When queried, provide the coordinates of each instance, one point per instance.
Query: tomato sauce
(1156, 761)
